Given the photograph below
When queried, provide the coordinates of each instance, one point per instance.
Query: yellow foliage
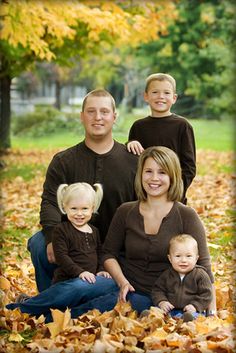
(40, 26)
(4, 283)
(61, 320)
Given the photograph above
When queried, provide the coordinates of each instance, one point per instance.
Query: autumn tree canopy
(62, 31)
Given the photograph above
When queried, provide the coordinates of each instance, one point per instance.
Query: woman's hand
(166, 306)
(124, 290)
(87, 276)
(104, 274)
(50, 254)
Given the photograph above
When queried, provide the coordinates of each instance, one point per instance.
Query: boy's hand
(104, 274)
(166, 306)
(190, 308)
(87, 276)
(135, 147)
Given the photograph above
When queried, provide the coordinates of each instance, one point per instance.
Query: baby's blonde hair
(65, 191)
(160, 77)
(183, 238)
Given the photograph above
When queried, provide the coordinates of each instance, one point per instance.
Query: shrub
(45, 121)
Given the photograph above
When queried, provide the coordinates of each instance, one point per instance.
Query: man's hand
(135, 147)
(50, 254)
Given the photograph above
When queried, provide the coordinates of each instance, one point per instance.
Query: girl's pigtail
(60, 196)
(98, 196)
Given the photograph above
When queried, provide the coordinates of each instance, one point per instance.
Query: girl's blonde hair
(65, 192)
(169, 162)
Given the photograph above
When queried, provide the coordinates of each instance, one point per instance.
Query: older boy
(164, 128)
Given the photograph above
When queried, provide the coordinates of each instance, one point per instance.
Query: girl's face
(183, 256)
(155, 180)
(79, 209)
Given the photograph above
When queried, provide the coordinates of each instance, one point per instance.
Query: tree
(199, 52)
(43, 30)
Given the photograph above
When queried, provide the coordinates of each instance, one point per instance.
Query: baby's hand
(190, 308)
(104, 274)
(166, 306)
(87, 276)
(135, 147)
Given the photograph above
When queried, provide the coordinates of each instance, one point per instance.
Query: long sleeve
(159, 292)
(115, 170)
(203, 297)
(187, 155)
(61, 247)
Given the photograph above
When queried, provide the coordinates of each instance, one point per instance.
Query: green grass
(26, 171)
(57, 140)
(209, 134)
(214, 134)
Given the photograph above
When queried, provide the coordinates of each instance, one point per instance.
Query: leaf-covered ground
(211, 194)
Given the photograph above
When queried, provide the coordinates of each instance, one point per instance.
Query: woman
(136, 246)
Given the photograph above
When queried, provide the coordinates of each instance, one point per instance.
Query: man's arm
(50, 214)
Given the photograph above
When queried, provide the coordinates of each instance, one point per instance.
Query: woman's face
(155, 180)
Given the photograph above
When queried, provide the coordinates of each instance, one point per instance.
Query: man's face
(98, 117)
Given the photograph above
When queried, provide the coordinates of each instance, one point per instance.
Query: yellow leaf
(4, 283)
(61, 320)
(15, 337)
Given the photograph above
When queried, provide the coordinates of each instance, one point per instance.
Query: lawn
(209, 134)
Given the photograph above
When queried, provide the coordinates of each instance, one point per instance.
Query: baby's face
(183, 256)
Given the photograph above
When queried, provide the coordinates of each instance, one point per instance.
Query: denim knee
(43, 269)
(139, 301)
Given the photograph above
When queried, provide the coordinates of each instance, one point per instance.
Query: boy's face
(98, 116)
(183, 256)
(160, 96)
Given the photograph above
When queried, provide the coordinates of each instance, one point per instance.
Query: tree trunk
(5, 112)
(58, 95)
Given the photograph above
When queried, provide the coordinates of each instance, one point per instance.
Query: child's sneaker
(187, 316)
(144, 313)
(21, 298)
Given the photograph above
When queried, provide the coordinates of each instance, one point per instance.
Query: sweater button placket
(99, 170)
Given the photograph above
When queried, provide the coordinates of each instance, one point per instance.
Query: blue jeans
(138, 301)
(179, 313)
(61, 295)
(43, 269)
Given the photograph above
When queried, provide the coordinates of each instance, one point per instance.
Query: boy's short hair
(182, 238)
(100, 92)
(160, 77)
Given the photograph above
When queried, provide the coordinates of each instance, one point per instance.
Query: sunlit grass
(209, 134)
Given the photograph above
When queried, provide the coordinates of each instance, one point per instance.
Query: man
(98, 159)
